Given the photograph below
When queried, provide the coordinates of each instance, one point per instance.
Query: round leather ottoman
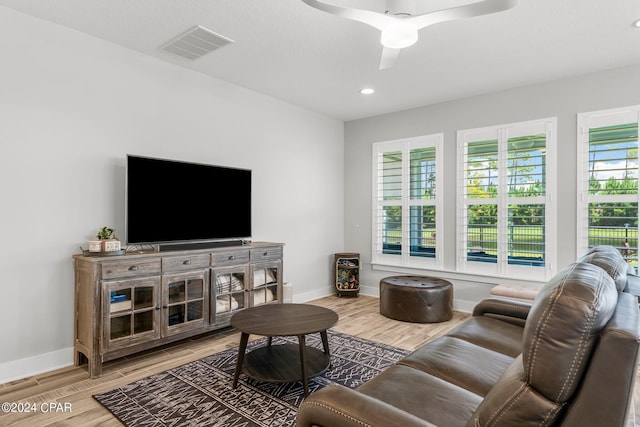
(418, 299)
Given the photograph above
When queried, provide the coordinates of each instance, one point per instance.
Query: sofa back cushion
(560, 333)
(563, 326)
(609, 381)
(610, 260)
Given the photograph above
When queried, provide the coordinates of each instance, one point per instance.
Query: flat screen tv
(171, 201)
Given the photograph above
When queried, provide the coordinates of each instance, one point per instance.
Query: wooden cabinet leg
(94, 365)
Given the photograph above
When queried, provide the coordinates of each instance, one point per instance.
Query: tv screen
(170, 201)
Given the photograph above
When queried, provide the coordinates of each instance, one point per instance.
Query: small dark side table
(283, 362)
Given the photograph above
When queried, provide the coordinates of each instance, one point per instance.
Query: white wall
(72, 107)
(562, 99)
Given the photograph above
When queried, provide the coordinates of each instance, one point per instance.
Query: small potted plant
(109, 241)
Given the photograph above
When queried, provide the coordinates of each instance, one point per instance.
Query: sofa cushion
(490, 333)
(610, 260)
(336, 405)
(460, 362)
(563, 326)
(429, 398)
(513, 402)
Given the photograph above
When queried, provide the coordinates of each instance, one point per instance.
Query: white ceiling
(291, 51)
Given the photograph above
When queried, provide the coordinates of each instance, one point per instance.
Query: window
(407, 198)
(506, 218)
(608, 181)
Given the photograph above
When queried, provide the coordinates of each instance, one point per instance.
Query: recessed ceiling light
(367, 91)
(636, 23)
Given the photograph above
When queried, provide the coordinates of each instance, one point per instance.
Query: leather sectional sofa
(569, 358)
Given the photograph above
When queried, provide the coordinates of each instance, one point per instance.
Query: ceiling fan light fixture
(399, 35)
(399, 24)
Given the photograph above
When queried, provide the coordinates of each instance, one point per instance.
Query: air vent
(196, 42)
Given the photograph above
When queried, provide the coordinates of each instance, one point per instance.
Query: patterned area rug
(200, 394)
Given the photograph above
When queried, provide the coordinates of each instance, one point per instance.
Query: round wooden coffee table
(283, 362)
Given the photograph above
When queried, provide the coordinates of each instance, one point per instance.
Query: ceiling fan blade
(467, 11)
(389, 57)
(368, 17)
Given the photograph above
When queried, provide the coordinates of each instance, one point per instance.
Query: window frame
(503, 133)
(405, 259)
(585, 122)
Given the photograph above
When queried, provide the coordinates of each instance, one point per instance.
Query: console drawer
(226, 258)
(266, 254)
(185, 263)
(140, 267)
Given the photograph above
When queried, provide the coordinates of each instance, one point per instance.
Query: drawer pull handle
(231, 258)
(133, 268)
(187, 262)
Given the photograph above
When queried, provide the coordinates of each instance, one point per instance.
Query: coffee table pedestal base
(283, 363)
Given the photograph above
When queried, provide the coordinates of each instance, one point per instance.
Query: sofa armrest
(510, 311)
(337, 406)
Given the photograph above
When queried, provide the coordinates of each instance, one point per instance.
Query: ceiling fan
(399, 24)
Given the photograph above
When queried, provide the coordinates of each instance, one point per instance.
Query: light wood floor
(73, 387)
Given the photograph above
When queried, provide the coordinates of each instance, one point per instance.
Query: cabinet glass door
(228, 292)
(265, 283)
(129, 311)
(143, 306)
(185, 301)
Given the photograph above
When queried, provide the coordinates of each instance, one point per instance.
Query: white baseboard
(34, 365)
(464, 306)
(372, 291)
(312, 295)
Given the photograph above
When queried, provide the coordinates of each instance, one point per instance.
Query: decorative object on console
(110, 242)
(105, 233)
(111, 245)
(95, 246)
(106, 244)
